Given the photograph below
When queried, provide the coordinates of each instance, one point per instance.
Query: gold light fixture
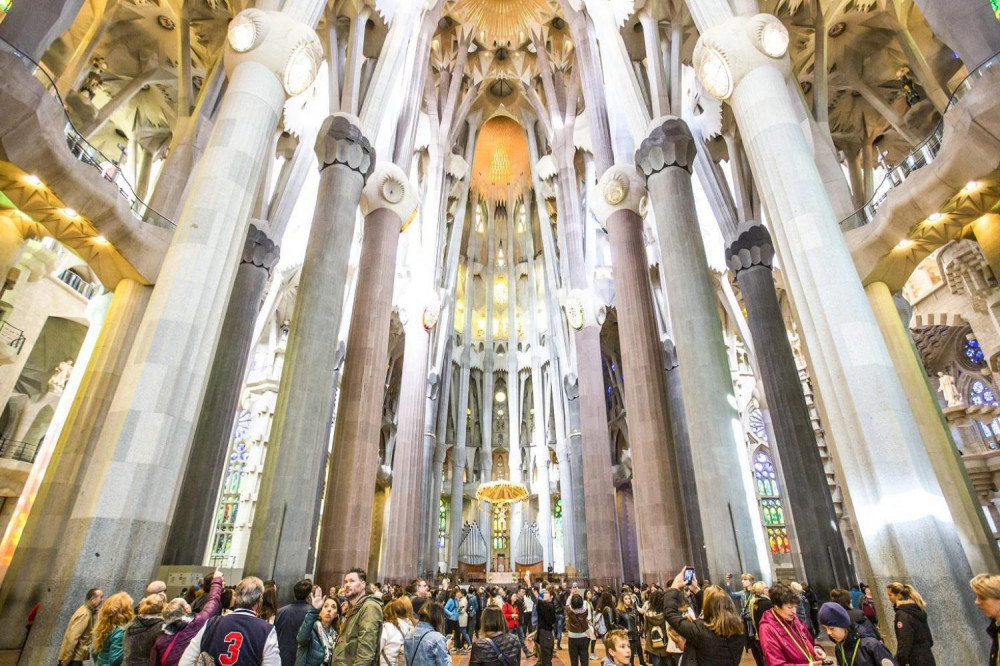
(502, 492)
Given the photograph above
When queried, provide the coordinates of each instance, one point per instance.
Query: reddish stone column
(658, 503)
(388, 202)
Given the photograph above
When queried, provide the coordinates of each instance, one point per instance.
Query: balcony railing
(11, 336)
(20, 451)
(920, 157)
(77, 284)
(84, 151)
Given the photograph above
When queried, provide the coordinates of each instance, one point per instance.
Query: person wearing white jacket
(395, 628)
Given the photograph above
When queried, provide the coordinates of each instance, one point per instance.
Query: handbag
(600, 626)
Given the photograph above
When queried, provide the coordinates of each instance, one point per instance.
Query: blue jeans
(560, 621)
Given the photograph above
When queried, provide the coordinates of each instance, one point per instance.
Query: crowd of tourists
(688, 623)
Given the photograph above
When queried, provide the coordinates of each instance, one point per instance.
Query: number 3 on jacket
(234, 641)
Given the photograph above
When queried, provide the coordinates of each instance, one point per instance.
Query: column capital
(289, 49)
(753, 247)
(260, 250)
(727, 52)
(389, 188)
(342, 140)
(621, 187)
(668, 143)
(669, 354)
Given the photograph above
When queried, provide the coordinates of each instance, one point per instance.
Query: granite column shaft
(819, 539)
(28, 576)
(284, 530)
(721, 468)
(197, 501)
(661, 531)
(388, 202)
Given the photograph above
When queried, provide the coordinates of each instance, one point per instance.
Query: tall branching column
(147, 433)
(284, 530)
(388, 202)
(886, 463)
(662, 538)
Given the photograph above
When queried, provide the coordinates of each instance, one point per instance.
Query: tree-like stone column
(33, 26)
(114, 540)
(29, 574)
(284, 528)
(894, 498)
(388, 203)
(733, 541)
(189, 537)
(820, 543)
(661, 535)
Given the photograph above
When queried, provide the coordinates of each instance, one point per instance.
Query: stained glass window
(973, 352)
(982, 394)
(442, 523)
(771, 508)
(500, 535)
(756, 422)
(557, 508)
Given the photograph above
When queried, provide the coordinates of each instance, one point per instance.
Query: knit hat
(834, 615)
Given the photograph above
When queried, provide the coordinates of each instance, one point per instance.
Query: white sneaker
(593, 657)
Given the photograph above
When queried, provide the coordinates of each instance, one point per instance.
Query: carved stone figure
(947, 388)
(57, 382)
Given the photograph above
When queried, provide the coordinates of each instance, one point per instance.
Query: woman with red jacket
(784, 640)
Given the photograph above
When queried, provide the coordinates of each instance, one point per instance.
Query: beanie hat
(834, 615)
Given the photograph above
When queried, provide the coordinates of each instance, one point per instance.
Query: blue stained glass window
(982, 395)
(974, 352)
(757, 427)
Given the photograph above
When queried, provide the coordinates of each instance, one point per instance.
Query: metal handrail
(12, 336)
(919, 157)
(84, 151)
(20, 451)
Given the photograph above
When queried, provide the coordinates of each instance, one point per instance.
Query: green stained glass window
(5, 5)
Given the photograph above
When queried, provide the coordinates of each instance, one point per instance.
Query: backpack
(600, 626)
(657, 636)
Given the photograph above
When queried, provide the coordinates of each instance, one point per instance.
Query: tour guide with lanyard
(798, 640)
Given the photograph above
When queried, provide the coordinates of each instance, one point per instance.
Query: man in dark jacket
(289, 618)
(240, 638)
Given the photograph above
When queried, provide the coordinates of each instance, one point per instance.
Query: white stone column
(892, 493)
(114, 543)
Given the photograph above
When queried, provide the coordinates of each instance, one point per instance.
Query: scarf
(327, 638)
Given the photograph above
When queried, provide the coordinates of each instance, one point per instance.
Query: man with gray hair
(240, 638)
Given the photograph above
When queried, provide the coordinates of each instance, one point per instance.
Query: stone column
(987, 232)
(188, 538)
(977, 539)
(388, 203)
(403, 537)
(890, 489)
(821, 544)
(33, 25)
(514, 459)
(284, 527)
(49, 511)
(147, 435)
(29, 575)
(682, 449)
(657, 498)
(732, 537)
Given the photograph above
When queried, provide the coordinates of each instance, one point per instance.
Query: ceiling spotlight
(904, 244)
(500, 396)
(101, 240)
(934, 217)
(68, 212)
(33, 180)
(971, 186)
(713, 72)
(774, 39)
(242, 33)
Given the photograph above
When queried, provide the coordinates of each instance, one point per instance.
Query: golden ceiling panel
(503, 22)
(501, 165)
(37, 212)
